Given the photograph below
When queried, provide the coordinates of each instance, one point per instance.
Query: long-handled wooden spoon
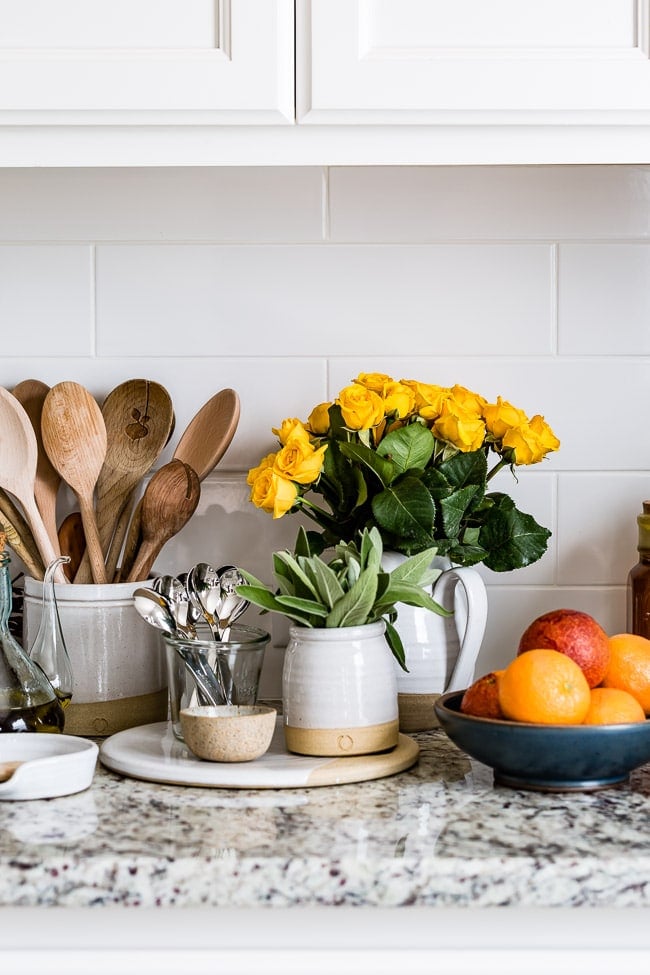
(18, 459)
(19, 536)
(72, 542)
(169, 501)
(138, 415)
(74, 436)
(31, 394)
(202, 445)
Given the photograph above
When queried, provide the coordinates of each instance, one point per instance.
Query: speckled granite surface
(439, 834)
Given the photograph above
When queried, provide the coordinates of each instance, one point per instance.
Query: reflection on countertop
(439, 834)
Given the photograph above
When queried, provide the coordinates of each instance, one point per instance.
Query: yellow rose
(319, 419)
(273, 493)
(298, 461)
(376, 381)
(531, 442)
(399, 399)
(502, 416)
(289, 430)
(468, 399)
(361, 408)
(428, 398)
(253, 473)
(461, 428)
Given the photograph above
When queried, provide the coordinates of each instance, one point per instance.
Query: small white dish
(49, 765)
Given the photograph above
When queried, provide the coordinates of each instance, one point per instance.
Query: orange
(611, 706)
(544, 687)
(629, 667)
(481, 699)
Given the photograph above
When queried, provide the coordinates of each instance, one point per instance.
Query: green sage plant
(351, 589)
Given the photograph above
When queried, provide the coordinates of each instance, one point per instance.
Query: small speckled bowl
(229, 733)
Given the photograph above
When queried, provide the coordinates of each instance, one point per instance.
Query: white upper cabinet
(491, 80)
(227, 82)
(139, 62)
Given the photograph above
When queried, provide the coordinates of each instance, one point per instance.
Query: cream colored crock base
(342, 741)
(98, 719)
(416, 712)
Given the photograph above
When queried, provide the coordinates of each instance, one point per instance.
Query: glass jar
(27, 699)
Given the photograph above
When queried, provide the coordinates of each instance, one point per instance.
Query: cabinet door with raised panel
(451, 63)
(146, 61)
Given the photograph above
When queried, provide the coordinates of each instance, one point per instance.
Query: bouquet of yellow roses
(412, 459)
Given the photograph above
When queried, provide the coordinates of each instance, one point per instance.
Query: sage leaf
(356, 605)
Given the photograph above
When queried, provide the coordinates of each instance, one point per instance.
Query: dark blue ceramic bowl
(547, 758)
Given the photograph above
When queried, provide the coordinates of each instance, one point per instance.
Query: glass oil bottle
(638, 582)
(28, 701)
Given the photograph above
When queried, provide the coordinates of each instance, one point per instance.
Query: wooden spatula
(72, 542)
(19, 536)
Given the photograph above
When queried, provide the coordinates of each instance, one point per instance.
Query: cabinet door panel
(139, 61)
(487, 61)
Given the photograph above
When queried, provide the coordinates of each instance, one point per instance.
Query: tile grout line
(555, 298)
(325, 204)
(93, 301)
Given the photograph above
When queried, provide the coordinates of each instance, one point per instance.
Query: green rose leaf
(436, 483)
(453, 508)
(405, 509)
(512, 538)
(465, 468)
(384, 469)
(409, 447)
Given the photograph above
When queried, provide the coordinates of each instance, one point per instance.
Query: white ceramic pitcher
(440, 651)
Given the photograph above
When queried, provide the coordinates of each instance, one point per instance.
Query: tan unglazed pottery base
(342, 741)
(416, 712)
(98, 719)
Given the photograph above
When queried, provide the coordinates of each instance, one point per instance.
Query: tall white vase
(440, 651)
(339, 691)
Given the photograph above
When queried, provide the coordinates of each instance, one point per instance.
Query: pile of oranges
(547, 686)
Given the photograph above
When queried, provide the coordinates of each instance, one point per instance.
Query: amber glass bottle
(638, 582)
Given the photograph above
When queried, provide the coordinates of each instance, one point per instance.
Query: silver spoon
(155, 610)
(204, 590)
(232, 604)
(175, 593)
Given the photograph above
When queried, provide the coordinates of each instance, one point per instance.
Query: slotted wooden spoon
(18, 459)
(169, 501)
(138, 415)
(74, 436)
(31, 394)
(202, 445)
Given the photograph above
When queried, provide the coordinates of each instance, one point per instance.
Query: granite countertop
(438, 835)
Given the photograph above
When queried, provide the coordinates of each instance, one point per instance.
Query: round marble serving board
(152, 752)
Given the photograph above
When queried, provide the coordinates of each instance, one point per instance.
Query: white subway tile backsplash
(597, 528)
(322, 300)
(259, 204)
(45, 300)
(604, 299)
(532, 283)
(489, 202)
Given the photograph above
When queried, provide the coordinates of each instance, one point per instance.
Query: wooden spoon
(202, 445)
(72, 543)
(209, 433)
(138, 415)
(31, 394)
(19, 536)
(74, 436)
(18, 459)
(168, 503)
